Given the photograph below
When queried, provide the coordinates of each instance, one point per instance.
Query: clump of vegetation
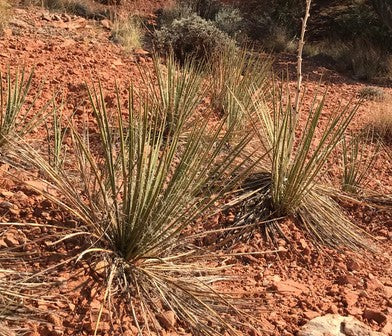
(128, 32)
(137, 191)
(371, 92)
(83, 8)
(207, 9)
(279, 40)
(230, 21)
(357, 162)
(4, 15)
(234, 77)
(16, 115)
(289, 182)
(193, 36)
(380, 121)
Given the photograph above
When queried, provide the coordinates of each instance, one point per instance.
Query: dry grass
(362, 58)
(4, 15)
(371, 93)
(380, 120)
(84, 8)
(128, 32)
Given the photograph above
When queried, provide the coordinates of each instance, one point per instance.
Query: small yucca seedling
(357, 162)
(137, 191)
(16, 117)
(298, 154)
(55, 139)
(235, 75)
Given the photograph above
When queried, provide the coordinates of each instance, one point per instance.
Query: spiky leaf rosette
(137, 192)
(357, 162)
(235, 75)
(298, 154)
(16, 117)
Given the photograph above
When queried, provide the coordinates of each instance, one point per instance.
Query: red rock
(350, 298)
(290, 286)
(356, 311)
(353, 265)
(106, 24)
(311, 314)
(373, 284)
(374, 315)
(347, 279)
(388, 292)
(333, 309)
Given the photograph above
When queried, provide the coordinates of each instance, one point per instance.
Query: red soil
(294, 285)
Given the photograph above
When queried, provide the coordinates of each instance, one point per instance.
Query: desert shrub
(128, 32)
(357, 161)
(207, 9)
(371, 92)
(137, 192)
(166, 15)
(363, 59)
(83, 8)
(4, 15)
(380, 121)
(289, 182)
(230, 21)
(366, 60)
(192, 36)
(261, 17)
(279, 40)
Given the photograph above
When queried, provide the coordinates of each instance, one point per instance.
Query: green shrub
(230, 21)
(166, 15)
(192, 37)
(207, 9)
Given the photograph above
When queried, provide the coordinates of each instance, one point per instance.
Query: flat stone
(336, 325)
(290, 286)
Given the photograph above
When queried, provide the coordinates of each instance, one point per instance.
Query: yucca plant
(175, 92)
(357, 162)
(137, 192)
(298, 153)
(56, 131)
(16, 117)
(235, 75)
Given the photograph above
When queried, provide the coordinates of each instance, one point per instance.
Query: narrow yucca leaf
(356, 162)
(235, 75)
(16, 117)
(175, 90)
(298, 156)
(297, 162)
(137, 191)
